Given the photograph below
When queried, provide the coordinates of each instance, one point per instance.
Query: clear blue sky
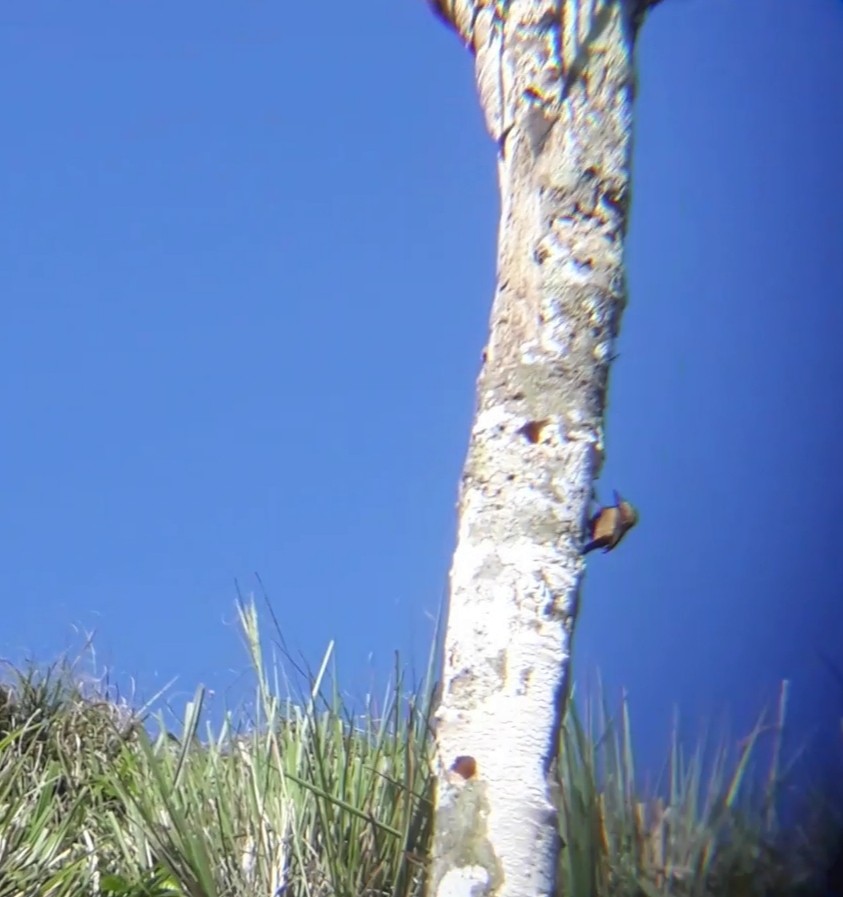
(246, 264)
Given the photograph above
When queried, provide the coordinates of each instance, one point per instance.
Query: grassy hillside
(298, 798)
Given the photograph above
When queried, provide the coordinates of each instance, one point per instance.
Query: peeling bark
(556, 86)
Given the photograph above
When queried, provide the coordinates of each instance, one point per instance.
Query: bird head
(628, 514)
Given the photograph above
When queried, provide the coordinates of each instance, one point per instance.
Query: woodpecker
(609, 525)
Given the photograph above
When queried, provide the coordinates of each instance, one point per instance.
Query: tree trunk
(556, 86)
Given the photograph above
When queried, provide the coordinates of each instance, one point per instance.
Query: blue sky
(246, 264)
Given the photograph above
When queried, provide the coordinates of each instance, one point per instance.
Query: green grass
(712, 828)
(302, 798)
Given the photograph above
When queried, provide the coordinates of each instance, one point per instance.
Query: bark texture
(556, 85)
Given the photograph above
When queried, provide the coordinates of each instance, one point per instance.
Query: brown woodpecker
(609, 525)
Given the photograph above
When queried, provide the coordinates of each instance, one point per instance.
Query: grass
(712, 827)
(304, 799)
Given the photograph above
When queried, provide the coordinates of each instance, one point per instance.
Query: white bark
(556, 87)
